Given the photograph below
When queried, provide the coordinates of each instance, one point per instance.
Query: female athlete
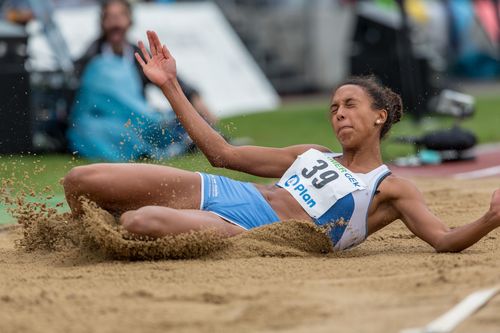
(352, 194)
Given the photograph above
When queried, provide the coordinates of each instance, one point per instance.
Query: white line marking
(447, 322)
(492, 171)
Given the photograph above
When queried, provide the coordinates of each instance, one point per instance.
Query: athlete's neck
(362, 159)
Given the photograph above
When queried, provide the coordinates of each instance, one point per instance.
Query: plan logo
(300, 189)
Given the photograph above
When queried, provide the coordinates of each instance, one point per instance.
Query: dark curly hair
(382, 98)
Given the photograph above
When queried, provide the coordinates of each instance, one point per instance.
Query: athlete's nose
(340, 113)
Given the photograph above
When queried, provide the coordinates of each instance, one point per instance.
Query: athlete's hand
(159, 67)
(495, 206)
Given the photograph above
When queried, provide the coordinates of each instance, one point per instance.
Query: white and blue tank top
(336, 198)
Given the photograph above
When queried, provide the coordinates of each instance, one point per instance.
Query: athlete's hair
(382, 98)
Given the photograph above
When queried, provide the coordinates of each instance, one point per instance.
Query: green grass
(286, 126)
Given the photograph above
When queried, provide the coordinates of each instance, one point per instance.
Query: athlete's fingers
(156, 40)
(152, 43)
(145, 53)
(139, 60)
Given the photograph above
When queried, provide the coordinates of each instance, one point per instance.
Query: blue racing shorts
(237, 202)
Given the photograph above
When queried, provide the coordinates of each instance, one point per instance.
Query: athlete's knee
(142, 221)
(74, 178)
(81, 178)
(135, 223)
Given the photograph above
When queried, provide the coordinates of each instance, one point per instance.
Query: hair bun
(395, 106)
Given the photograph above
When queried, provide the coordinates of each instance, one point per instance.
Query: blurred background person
(16, 11)
(110, 118)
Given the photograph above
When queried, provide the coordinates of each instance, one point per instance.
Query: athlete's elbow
(217, 162)
(445, 246)
(443, 241)
(446, 249)
(222, 158)
(218, 159)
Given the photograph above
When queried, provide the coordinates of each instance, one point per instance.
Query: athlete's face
(115, 23)
(354, 121)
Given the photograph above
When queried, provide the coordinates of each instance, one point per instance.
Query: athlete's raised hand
(159, 66)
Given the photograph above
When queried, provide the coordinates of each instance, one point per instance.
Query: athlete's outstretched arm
(160, 68)
(417, 217)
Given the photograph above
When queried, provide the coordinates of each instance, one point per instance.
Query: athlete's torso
(380, 212)
(369, 212)
(285, 206)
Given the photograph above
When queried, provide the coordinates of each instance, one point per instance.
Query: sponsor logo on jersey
(300, 189)
(345, 172)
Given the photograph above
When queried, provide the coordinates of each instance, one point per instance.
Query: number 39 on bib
(317, 182)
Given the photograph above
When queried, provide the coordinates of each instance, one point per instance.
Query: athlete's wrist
(169, 83)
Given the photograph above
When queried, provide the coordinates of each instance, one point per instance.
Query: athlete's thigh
(132, 185)
(199, 220)
(160, 221)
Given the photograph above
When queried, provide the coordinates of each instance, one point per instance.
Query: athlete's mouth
(343, 128)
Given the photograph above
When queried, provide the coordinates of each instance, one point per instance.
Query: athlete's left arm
(409, 203)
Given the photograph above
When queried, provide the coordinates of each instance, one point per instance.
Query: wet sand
(269, 279)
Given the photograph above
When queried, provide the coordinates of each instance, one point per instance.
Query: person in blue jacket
(110, 119)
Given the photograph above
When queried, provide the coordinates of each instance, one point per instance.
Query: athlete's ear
(381, 117)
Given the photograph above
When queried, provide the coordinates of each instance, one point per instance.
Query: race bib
(317, 182)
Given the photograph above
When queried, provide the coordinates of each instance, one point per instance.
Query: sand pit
(56, 278)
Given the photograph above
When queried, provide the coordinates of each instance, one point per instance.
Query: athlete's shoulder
(396, 187)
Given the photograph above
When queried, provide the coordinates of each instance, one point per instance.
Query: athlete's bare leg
(155, 200)
(156, 221)
(123, 187)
